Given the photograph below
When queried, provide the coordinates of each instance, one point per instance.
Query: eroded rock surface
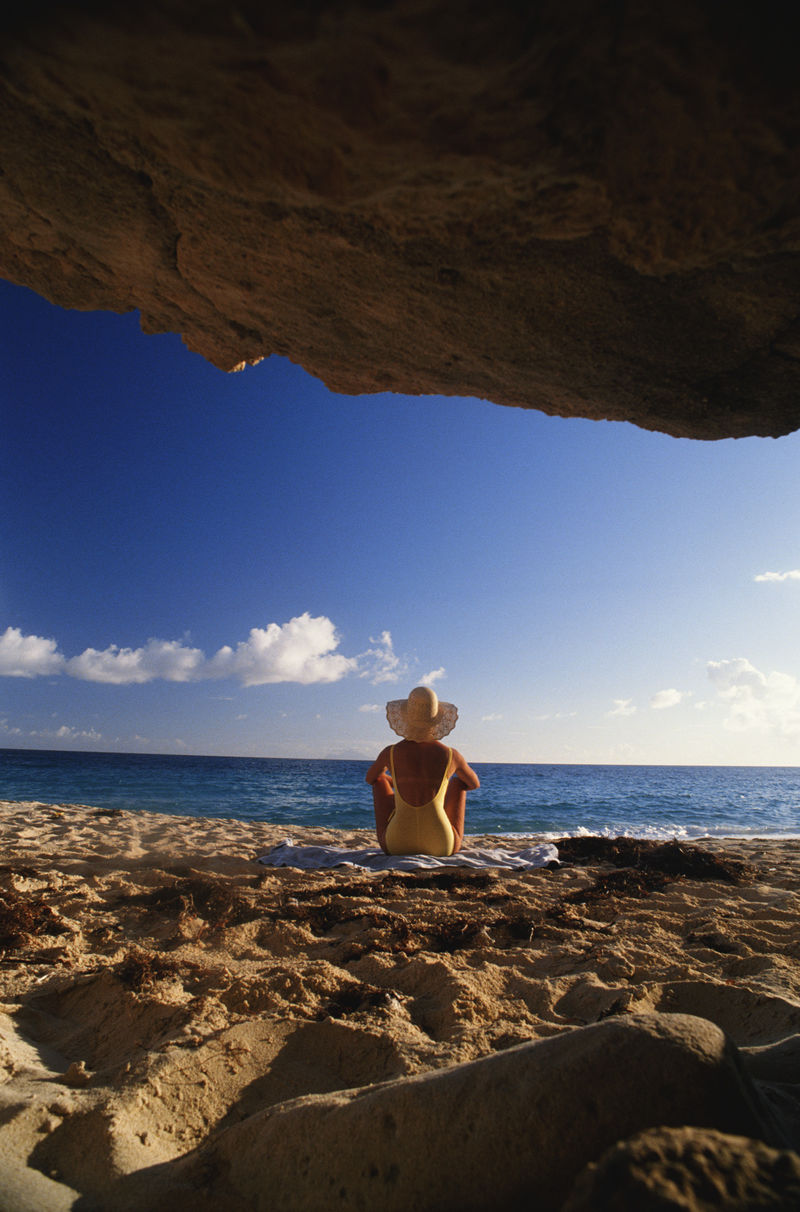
(588, 208)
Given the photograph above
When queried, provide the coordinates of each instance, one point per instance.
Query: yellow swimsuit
(424, 830)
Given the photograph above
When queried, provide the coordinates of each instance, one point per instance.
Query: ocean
(553, 801)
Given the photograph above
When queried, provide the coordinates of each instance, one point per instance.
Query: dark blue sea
(553, 801)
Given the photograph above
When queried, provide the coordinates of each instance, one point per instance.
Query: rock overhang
(588, 208)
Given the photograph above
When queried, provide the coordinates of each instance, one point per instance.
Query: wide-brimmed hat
(421, 717)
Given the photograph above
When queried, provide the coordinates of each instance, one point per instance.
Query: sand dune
(163, 996)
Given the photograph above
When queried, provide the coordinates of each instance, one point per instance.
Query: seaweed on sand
(449, 880)
(642, 866)
(25, 917)
(626, 882)
(350, 999)
(141, 969)
(457, 935)
(672, 858)
(215, 901)
(323, 916)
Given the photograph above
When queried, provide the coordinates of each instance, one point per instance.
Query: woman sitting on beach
(419, 786)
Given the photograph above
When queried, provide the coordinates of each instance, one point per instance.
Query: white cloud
(792, 575)
(757, 701)
(28, 656)
(622, 707)
(495, 715)
(167, 659)
(667, 698)
(381, 663)
(433, 676)
(301, 650)
(370, 707)
(66, 733)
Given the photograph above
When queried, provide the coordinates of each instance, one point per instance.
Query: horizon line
(265, 757)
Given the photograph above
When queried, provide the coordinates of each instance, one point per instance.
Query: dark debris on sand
(642, 868)
(141, 969)
(477, 907)
(212, 900)
(25, 917)
(355, 999)
(625, 882)
(669, 858)
(452, 880)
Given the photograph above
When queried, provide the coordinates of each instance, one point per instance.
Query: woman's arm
(379, 765)
(462, 770)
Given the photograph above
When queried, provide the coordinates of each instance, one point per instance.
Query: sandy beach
(179, 1022)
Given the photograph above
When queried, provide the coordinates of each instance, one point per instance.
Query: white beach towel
(286, 854)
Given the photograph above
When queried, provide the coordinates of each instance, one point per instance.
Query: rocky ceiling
(589, 208)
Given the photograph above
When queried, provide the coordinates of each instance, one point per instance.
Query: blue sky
(248, 564)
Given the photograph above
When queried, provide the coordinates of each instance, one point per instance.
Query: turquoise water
(641, 801)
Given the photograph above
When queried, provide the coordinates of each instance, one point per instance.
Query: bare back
(419, 768)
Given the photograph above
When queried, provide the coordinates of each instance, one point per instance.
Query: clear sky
(248, 564)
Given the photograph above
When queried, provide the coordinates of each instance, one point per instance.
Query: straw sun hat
(421, 717)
